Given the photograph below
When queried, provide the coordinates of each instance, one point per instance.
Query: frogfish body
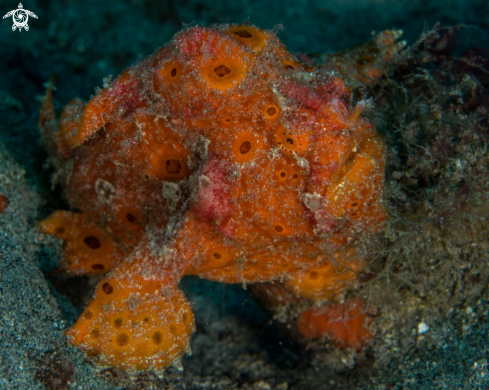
(221, 156)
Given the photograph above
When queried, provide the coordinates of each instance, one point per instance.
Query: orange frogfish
(221, 156)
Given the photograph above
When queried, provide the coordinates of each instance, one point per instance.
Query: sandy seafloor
(236, 345)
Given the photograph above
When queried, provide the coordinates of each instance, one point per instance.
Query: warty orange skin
(221, 156)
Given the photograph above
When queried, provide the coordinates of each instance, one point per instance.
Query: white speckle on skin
(423, 328)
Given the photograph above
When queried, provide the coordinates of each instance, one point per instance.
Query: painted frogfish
(223, 156)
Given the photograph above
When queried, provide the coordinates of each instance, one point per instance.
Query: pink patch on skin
(227, 228)
(214, 194)
(298, 118)
(198, 110)
(129, 91)
(304, 95)
(198, 40)
(316, 175)
(318, 178)
(321, 220)
(324, 221)
(318, 214)
(340, 107)
(162, 54)
(335, 87)
(332, 166)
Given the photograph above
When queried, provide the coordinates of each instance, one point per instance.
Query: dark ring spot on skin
(131, 218)
(245, 147)
(107, 288)
(271, 111)
(157, 337)
(60, 230)
(243, 34)
(173, 167)
(173, 72)
(222, 70)
(122, 340)
(313, 275)
(279, 229)
(92, 242)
